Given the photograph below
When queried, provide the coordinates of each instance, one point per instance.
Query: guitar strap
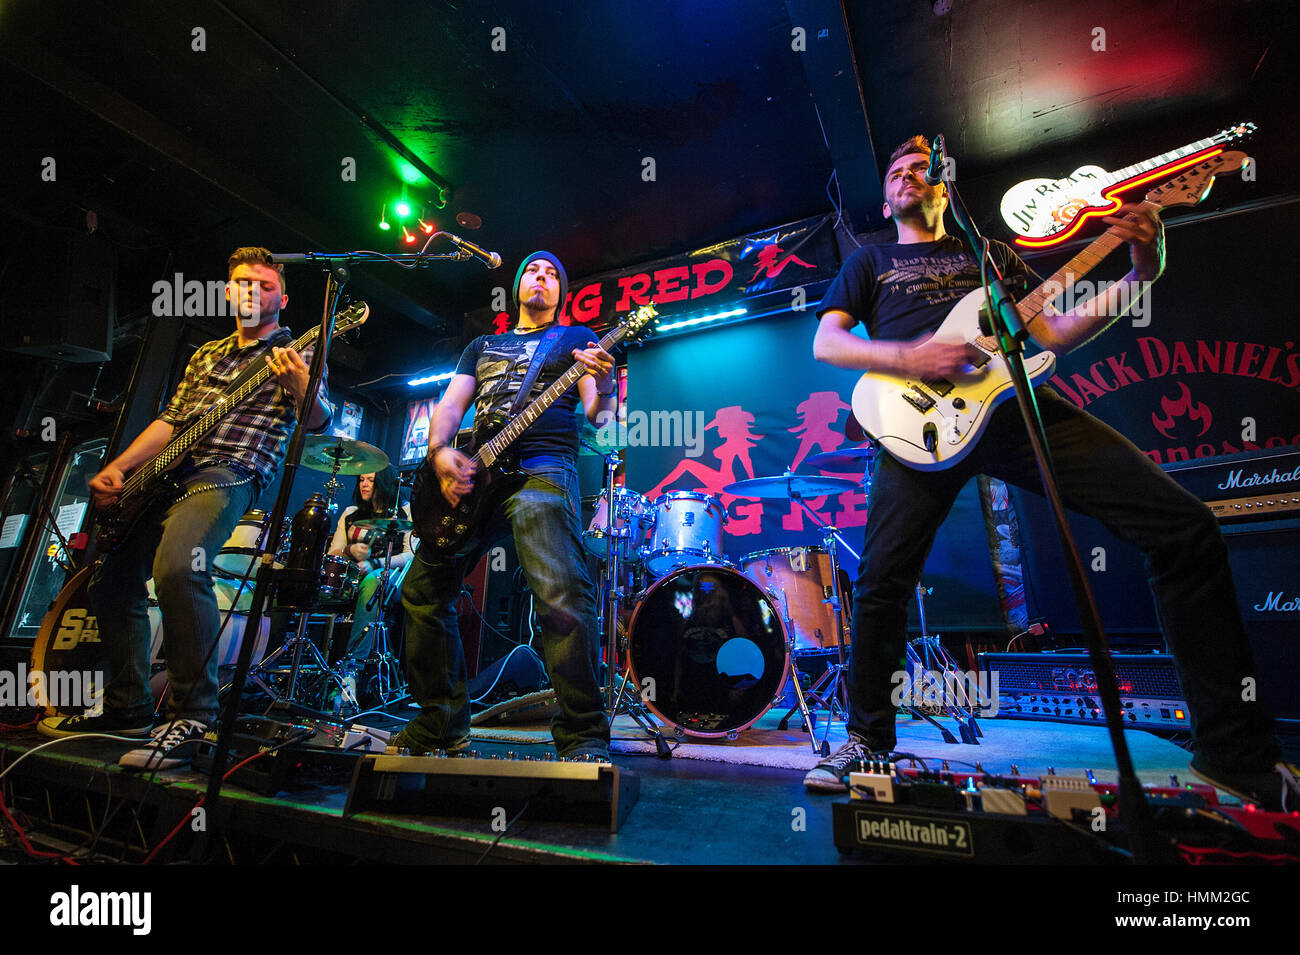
(540, 354)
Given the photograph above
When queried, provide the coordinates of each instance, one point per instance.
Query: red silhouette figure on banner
(501, 324)
(817, 417)
(767, 261)
(733, 425)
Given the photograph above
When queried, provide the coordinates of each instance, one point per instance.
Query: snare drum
(687, 530)
(799, 578)
(631, 521)
(237, 554)
(708, 650)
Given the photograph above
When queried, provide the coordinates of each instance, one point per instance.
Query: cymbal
(842, 459)
(790, 486)
(397, 525)
(320, 452)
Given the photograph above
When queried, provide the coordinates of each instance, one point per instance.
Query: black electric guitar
(448, 529)
(153, 481)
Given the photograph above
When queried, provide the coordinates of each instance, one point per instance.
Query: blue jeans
(1101, 474)
(178, 543)
(542, 511)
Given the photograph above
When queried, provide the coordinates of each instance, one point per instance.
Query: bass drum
(708, 651)
(68, 646)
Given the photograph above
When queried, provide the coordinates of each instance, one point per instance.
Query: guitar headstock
(353, 316)
(638, 326)
(1235, 134)
(1192, 185)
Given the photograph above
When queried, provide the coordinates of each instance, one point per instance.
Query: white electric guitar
(1044, 212)
(931, 424)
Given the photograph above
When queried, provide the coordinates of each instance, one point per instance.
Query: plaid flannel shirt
(255, 434)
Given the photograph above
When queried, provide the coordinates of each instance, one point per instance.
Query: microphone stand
(1001, 319)
(337, 273)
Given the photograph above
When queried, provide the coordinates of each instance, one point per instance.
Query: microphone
(491, 259)
(934, 175)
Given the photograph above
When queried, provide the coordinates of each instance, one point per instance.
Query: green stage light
(402, 208)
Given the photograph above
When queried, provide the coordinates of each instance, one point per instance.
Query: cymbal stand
(390, 677)
(930, 666)
(612, 583)
(830, 691)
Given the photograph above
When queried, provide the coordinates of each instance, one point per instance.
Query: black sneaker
(111, 724)
(590, 753)
(173, 746)
(400, 741)
(1277, 790)
(828, 775)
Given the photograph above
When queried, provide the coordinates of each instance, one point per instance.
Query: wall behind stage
(766, 405)
(1216, 369)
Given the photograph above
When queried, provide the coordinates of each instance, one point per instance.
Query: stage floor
(740, 803)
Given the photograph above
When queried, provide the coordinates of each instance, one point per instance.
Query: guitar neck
(180, 445)
(496, 446)
(1069, 273)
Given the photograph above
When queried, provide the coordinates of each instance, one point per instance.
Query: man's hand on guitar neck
(455, 473)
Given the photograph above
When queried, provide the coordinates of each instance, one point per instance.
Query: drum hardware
(708, 649)
(391, 687)
(620, 544)
(829, 691)
(335, 456)
(926, 660)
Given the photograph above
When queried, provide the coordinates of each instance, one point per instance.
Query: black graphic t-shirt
(500, 363)
(902, 291)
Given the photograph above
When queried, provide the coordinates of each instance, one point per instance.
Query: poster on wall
(347, 421)
(415, 432)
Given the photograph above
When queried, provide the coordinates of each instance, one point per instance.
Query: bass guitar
(931, 424)
(448, 529)
(153, 481)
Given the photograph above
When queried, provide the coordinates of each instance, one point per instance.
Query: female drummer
(375, 497)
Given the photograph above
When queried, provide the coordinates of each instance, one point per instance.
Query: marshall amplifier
(1265, 558)
(1062, 688)
(1247, 486)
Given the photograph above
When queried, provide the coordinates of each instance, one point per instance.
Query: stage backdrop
(764, 404)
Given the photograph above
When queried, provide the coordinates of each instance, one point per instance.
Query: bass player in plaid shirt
(227, 469)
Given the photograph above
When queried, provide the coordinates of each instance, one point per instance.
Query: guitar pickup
(940, 386)
(918, 399)
(976, 356)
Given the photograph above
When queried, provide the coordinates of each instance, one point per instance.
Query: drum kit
(708, 644)
(308, 580)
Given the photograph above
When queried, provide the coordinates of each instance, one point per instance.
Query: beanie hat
(563, 276)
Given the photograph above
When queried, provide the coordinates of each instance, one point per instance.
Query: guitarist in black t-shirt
(902, 293)
(539, 505)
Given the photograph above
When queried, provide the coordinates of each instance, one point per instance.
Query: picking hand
(455, 474)
(932, 359)
(106, 485)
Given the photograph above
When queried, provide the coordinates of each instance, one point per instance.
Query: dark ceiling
(185, 153)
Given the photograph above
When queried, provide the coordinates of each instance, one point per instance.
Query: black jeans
(1101, 474)
(542, 510)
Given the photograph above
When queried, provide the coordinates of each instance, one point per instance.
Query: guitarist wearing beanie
(534, 497)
